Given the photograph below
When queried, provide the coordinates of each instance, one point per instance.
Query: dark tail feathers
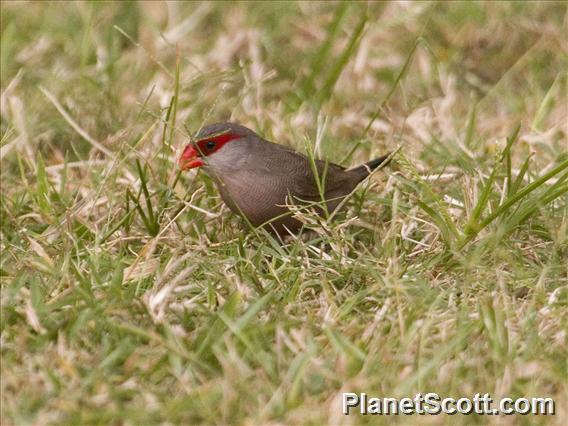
(364, 170)
(373, 164)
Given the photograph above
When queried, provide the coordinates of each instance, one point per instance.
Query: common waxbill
(256, 178)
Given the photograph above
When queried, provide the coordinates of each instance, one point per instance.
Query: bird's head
(209, 142)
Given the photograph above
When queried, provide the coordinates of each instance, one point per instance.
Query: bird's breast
(258, 198)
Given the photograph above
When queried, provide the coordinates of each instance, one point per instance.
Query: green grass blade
(323, 53)
(42, 190)
(431, 203)
(523, 193)
(470, 131)
(546, 105)
(343, 345)
(218, 327)
(473, 226)
(339, 65)
(514, 187)
(154, 226)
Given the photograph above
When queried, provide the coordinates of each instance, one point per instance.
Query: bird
(258, 179)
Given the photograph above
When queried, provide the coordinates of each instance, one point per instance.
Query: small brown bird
(256, 177)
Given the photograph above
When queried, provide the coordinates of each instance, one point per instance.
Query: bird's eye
(210, 145)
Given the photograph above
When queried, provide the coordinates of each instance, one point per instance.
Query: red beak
(190, 158)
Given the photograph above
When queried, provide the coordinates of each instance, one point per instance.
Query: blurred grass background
(130, 296)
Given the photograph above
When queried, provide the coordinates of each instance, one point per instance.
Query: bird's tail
(373, 164)
(364, 170)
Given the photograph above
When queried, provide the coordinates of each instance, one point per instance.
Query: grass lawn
(131, 295)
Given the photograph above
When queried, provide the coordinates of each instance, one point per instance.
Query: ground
(131, 295)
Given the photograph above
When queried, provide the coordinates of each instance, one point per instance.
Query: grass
(130, 295)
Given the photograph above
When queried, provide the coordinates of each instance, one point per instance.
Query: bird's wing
(294, 171)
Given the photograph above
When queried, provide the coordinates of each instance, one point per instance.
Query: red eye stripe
(219, 141)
